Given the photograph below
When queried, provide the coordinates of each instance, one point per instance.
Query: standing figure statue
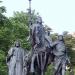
(15, 60)
(61, 57)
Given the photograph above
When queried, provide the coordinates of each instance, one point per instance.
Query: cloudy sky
(57, 14)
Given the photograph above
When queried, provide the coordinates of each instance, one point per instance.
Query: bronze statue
(40, 45)
(61, 57)
(15, 60)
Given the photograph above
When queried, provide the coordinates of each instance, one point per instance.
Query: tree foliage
(11, 29)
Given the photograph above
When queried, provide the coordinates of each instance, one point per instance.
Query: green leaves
(20, 28)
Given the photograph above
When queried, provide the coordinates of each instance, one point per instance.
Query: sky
(57, 14)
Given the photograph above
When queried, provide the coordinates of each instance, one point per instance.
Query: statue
(41, 50)
(48, 39)
(61, 57)
(40, 45)
(38, 32)
(15, 60)
(26, 64)
(27, 60)
(38, 35)
(48, 42)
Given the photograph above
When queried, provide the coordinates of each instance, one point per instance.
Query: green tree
(3, 21)
(20, 29)
(70, 43)
(11, 29)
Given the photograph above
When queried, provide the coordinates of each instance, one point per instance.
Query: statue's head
(17, 44)
(39, 19)
(60, 38)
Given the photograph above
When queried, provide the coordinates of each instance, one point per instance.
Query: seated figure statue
(40, 46)
(48, 40)
(38, 36)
